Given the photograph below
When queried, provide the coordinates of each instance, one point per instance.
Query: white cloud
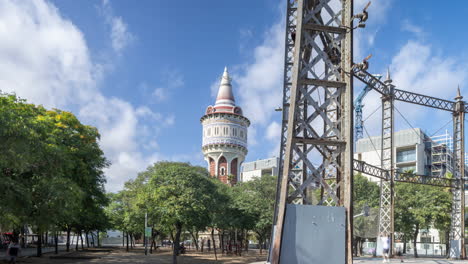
(417, 67)
(160, 94)
(412, 28)
(260, 82)
(45, 59)
(120, 36)
(273, 131)
(170, 80)
(365, 38)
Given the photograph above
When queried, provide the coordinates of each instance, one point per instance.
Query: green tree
(419, 206)
(51, 167)
(181, 195)
(365, 193)
(257, 199)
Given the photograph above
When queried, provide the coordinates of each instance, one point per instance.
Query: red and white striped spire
(225, 95)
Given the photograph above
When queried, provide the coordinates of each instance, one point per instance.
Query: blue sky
(143, 72)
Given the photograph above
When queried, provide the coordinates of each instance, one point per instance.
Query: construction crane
(359, 123)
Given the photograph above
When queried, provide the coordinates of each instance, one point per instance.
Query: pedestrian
(13, 250)
(399, 254)
(385, 247)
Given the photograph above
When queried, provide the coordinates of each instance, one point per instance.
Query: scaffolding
(442, 155)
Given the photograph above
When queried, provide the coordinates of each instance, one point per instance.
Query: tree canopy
(52, 170)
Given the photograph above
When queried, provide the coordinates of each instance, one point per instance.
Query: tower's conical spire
(389, 78)
(459, 96)
(225, 95)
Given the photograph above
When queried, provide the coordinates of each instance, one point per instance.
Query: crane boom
(359, 123)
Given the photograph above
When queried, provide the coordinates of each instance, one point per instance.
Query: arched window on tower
(223, 172)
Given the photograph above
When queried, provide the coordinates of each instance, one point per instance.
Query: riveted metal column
(291, 14)
(318, 140)
(457, 227)
(386, 186)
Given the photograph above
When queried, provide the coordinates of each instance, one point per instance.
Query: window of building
(242, 134)
(406, 155)
(226, 131)
(222, 172)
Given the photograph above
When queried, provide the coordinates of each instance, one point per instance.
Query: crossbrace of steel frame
(374, 171)
(316, 141)
(458, 108)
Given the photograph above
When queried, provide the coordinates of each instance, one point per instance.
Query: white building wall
(257, 168)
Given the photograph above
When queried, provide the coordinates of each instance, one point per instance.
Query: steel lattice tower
(457, 234)
(387, 163)
(317, 130)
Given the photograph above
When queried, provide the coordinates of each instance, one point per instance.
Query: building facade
(412, 151)
(224, 143)
(257, 168)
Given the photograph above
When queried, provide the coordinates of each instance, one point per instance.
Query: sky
(143, 72)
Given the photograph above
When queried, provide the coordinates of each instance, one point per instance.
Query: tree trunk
(447, 243)
(354, 243)
(81, 236)
(127, 240)
(123, 239)
(153, 244)
(97, 236)
(221, 241)
(77, 240)
(87, 239)
(246, 241)
(175, 251)
(56, 242)
(92, 240)
(361, 245)
(214, 244)
(404, 244)
(131, 241)
(260, 242)
(68, 239)
(39, 245)
(195, 239)
(46, 240)
(23, 242)
(415, 237)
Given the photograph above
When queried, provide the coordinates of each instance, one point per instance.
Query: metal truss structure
(291, 14)
(317, 126)
(458, 109)
(386, 186)
(317, 136)
(363, 167)
(371, 170)
(457, 227)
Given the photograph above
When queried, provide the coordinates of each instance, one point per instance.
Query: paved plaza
(408, 260)
(163, 256)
